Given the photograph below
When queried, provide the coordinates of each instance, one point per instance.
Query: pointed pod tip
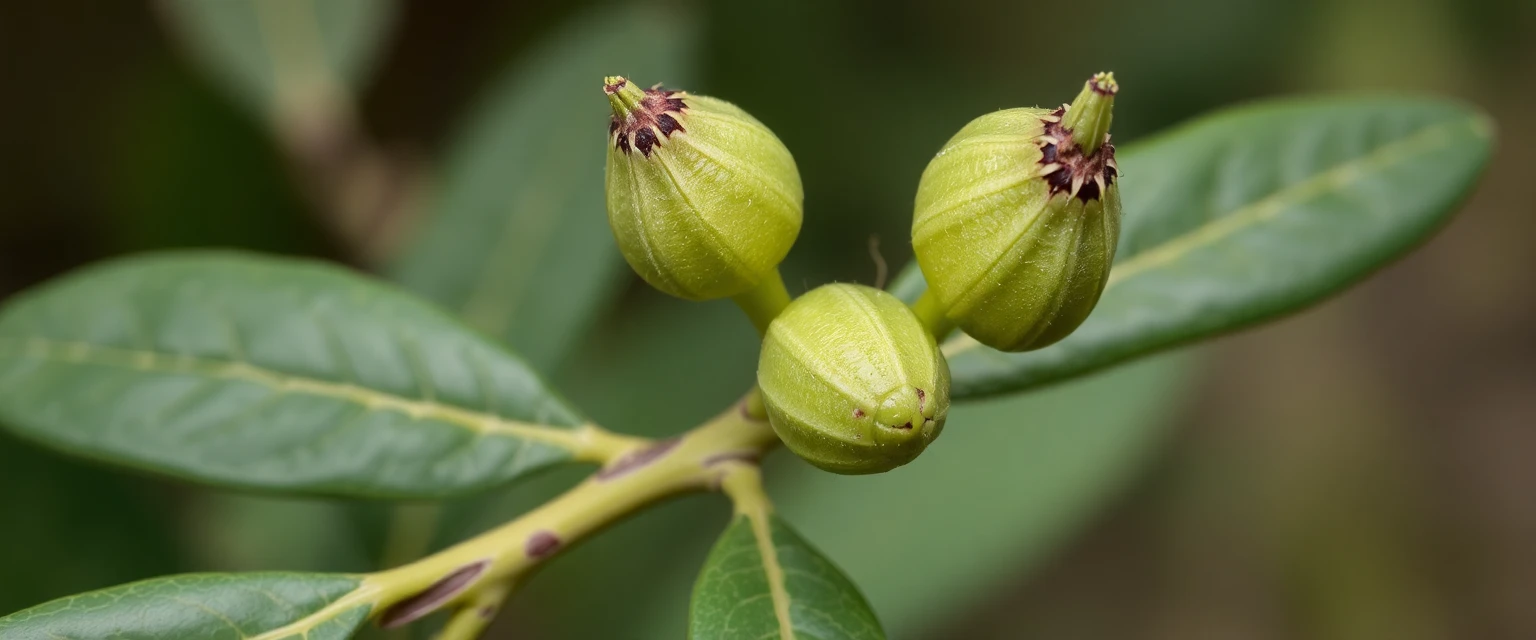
(1088, 118)
(623, 95)
(1103, 83)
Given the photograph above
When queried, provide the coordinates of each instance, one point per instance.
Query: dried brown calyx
(1065, 165)
(643, 118)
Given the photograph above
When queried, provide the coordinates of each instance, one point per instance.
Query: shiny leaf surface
(272, 374)
(214, 606)
(762, 580)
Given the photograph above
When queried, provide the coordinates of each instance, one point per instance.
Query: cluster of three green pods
(1015, 227)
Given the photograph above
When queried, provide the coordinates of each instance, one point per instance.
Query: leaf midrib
(1323, 183)
(365, 595)
(85, 353)
(773, 572)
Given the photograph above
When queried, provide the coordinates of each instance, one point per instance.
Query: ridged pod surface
(703, 199)
(852, 381)
(1017, 217)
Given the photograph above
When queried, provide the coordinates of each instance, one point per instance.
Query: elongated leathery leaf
(212, 606)
(1252, 213)
(762, 580)
(518, 242)
(271, 374)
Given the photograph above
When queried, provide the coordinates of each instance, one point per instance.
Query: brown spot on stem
(1077, 174)
(636, 460)
(731, 456)
(487, 612)
(858, 413)
(541, 544)
(922, 398)
(433, 597)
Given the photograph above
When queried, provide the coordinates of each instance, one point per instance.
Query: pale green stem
(470, 620)
(934, 315)
(719, 453)
(765, 301)
(409, 536)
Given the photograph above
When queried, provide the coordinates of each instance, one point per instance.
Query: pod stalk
(764, 302)
(934, 315)
(623, 95)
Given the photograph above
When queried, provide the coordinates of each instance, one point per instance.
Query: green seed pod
(1017, 218)
(703, 199)
(852, 380)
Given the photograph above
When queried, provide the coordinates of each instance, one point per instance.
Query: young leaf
(215, 606)
(762, 580)
(272, 374)
(518, 243)
(255, 47)
(1252, 213)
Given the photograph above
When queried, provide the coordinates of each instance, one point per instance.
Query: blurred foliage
(74, 527)
(1413, 393)
(510, 242)
(258, 50)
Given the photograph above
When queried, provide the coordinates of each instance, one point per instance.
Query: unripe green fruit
(1017, 218)
(703, 199)
(852, 381)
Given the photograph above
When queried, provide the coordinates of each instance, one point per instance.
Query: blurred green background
(1358, 471)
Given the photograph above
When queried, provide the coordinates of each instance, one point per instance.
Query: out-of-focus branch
(366, 195)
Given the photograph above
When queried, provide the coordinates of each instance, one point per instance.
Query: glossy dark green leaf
(271, 374)
(257, 48)
(518, 242)
(211, 606)
(762, 580)
(1251, 213)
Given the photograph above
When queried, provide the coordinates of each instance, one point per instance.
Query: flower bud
(852, 380)
(703, 199)
(1017, 218)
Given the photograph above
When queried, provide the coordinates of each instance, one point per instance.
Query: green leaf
(762, 580)
(209, 606)
(1252, 213)
(272, 374)
(258, 48)
(519, 242)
